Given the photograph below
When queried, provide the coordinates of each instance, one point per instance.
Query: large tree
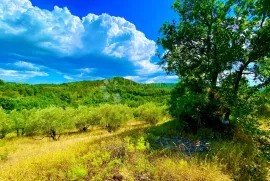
(219, 49)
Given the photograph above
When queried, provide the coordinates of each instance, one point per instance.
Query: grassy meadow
(98, 155)
(123, 155)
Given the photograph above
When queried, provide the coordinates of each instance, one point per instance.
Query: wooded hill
(116, 90)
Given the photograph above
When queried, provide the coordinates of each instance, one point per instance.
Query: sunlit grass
(98, 155)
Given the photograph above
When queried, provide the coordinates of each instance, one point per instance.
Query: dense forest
(23, 96)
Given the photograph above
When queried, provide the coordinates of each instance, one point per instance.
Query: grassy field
(124, 155)
(98, 155)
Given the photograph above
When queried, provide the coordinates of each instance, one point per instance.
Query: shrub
(77, 173)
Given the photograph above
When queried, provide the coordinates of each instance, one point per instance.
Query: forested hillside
(116, 90)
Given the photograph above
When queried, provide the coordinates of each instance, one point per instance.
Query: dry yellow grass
(29, 152)
(96, 155)
(179, 169)
(22, 149)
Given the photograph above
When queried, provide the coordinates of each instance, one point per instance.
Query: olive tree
(5, 123)
(85, 117)
(150, 113)
(113, 116)
(52, 122)
(18, 120)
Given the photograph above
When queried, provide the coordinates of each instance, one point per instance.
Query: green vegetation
(150, 113)
(114, 116)
(54, 121)
(212, 48)
(212, 125)
(23, 96)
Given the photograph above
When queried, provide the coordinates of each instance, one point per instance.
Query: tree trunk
(22, 131)
(235, 88)
(53, 135)
(84, 129)
(211, 94)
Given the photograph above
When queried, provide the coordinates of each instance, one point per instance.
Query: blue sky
(55, 41)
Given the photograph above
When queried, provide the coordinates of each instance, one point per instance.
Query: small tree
(52, 122)
(32, 123)
(18, 120)
(113, 116)
(150, 113)
(85, 117)
(5, 123)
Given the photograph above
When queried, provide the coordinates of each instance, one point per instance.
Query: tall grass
(106, 156)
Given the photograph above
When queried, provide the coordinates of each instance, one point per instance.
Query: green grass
(169, 128)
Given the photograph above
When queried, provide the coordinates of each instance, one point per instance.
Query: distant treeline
(17, 96)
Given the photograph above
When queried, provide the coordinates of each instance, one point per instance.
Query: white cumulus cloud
(58, 33)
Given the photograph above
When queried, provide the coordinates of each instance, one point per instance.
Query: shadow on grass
(170, 128)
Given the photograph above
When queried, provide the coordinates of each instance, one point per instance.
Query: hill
(116, 90)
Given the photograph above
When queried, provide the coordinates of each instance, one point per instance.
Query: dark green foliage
(2, 82)
(216, 48)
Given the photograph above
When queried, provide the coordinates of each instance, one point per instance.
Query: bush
(114, 115)
(150, 113)
(77, 173)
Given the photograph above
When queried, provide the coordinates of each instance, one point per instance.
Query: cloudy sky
(56, 41)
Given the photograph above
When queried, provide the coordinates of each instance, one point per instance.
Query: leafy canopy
(219, 49)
